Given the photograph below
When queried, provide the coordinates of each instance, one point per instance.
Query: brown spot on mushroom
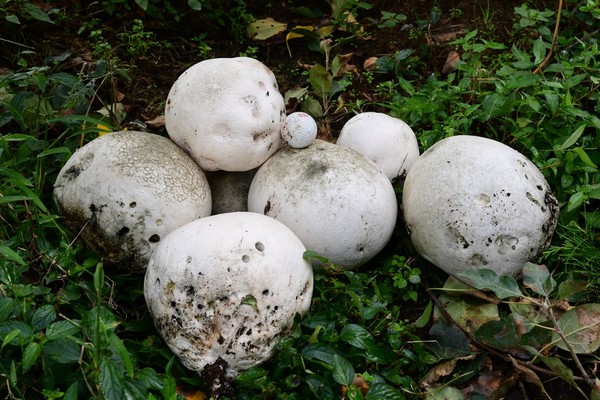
(259, 246)
(154, 238)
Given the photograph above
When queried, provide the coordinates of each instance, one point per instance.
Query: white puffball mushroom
(227, 113)
(123, 192)
(299, 130)
(227, 287)
(471, 202)
(387, 141)
(334, 199)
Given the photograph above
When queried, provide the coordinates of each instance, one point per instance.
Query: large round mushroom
(227, 113)
(336, 200)
(227, 288)
(125, 191)
(471, 202)
(389, 142)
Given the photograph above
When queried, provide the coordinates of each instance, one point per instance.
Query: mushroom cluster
(222, 289)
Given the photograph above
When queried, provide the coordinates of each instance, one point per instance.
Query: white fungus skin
(227, 113)
(471, 202)
(227, 286)
(387, 141)
(334, 199)
(123, 192)
(299, 130)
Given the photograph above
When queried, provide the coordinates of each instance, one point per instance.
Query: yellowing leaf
(263, 29)
(103, 129)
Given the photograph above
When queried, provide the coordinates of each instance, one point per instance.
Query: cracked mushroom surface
(471, 202)
(227, 113)
(125, 191)
(227, 287)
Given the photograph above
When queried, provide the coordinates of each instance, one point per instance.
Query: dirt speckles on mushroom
(474, 202)
(235, 283)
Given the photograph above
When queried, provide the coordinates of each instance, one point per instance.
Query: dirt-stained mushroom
(299, 130)
(227, 113)
(387, 141)
(471, 202)
(336, 200)
(123, 192)
(227, 288)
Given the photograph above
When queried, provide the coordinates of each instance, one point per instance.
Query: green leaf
(320, 352)
(10, 337)
(30, 355)
(195, 5)
(61, 329)
(71, 393)
(571, 140)
(422, 321)
(450, 341)
(111, 380)
(36, 13)
(538, 279)
(11, 255)
(444, 393)
(539, 51)
(8, 307)
(99, 277)
(482, 279)
(143, 4)
(121, 350)
(13, 19)
(342, 370)
(383, 391)
(64, 351)
(43, 316)
(581, 327)
(556, 365)
(357, 336)
(584, 157)
(320, 81)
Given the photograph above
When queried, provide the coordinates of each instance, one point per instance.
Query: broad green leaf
(581, 326)
(320, 352)
(64, 351)
(43, 316)
(449, 340)
(71, 393)
(195, 5)
(30, 355)
(111, 380)
(342, 370)
(521, 80)
(486, 279)
(121, 350)
(538, 279)
(571, 140)
(61, 329)
(422, 321)
(263, 29)
(383, 391)
(320, 81)
(13, 19)
(357, 336)
(501, 334)
(576, 200)
(36, 13)
(10, 337)
(8, 307)
(25, 331)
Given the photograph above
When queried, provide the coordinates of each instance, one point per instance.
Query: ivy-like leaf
(502, 286)
(537, 278)
(111, 380)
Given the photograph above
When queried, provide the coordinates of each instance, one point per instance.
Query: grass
(69, 329)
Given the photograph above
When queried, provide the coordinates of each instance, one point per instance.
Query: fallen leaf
(440, 370)
(157, 122)
(581, 326)
(370, 63)
(263, 29)
(451, 64)
(448, 36)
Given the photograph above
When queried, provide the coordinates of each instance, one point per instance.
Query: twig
(553, 44)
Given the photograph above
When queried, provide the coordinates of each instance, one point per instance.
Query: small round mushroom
(389, 142)
(227, 287)
(227, 113)
(334, 199)
(123, 192)
(471, 202)
(299, 130)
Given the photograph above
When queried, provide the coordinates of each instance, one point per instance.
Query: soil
(152, 73)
